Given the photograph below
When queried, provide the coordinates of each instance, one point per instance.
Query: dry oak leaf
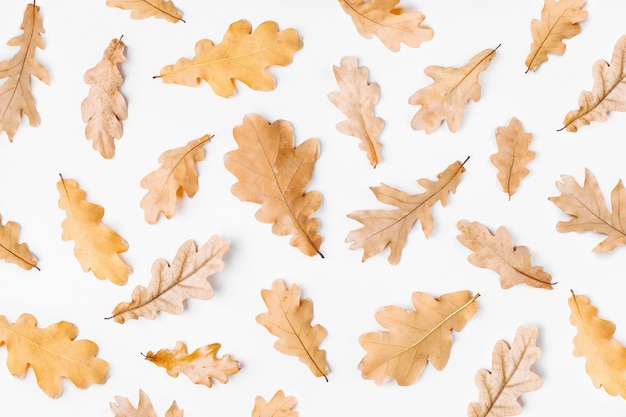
(143, 9)
(201, 366)
(415, 337)
(605, 357)
(11, 250)
(382, 228)
(170, 285)
(278, 406)
(52, 353)
(16, 97)
(608, 92)
(176, 175)
(123, 408)
(356, 99)
(388, 22)
(446, 98)
(243, 55)
(498, 253)
(588, 210)
(289, 318)
(274, 173)
(510, 376)
(559, 20)
(105, 106)
(96, 246)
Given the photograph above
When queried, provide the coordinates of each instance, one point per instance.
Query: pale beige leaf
(393, 25)
(446, 98)
(143, 9)
(278, 406)
(498, 253)
(171, 285)
(382, 228)
(289, 318)
(274, 173)
(356, 98)
(176, 175)
(509, 378)
(415, 337)
(16, 97)
(11, 250)
(123, 408)
(242, 55)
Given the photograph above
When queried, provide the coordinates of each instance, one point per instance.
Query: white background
(345, 291)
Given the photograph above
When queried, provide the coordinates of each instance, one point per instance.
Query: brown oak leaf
(143, 9)
(278, 406)
(13, 251)
(123, 408)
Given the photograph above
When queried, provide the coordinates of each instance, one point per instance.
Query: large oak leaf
(143, 9)
(278, 406)
(123, 408)
(13, 251)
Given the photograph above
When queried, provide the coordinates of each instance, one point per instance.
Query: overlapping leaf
(123, 408)
(13, 251)
(143, 9)
(278, 406)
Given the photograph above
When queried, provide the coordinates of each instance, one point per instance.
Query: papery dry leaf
(510, 376)
(588, 210)
(382, 228)
(96, 246)
(123, 408)
(498, 253)
(176, 175)
(201, 366)
(52, 353)
(278, 406)
(274, 173)
(415, 337)
(289, 318)
(559, 20)
(11, 250)
(388, 22)
(171, 285)
(105, 106)
(143, 9)
(16, 97)
(356, 99)
(242, 55)
(605, 357)
(608, 92)
(446, 98)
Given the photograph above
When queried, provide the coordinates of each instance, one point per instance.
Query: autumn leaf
(242, 55)
(274, 173)
(588, 210)
(605, 357)
(143, 9)
(356, 99)
(176, 175)
(388, 22)
(498, 253)
(382, 228)
(289, 318)
(171, 285)
(123, 408)
(559, 20)
(446, 98)
(414, 337)
(510, 376)
(201, 366)
(96, 246)
(13, 251)
(52, 353)
(16, 97)
(278, 406)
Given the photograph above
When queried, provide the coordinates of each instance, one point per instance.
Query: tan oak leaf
(278, 406)
(123, 408)
(11, 250)
(143, 9)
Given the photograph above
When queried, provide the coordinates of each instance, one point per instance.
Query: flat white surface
(345, 291)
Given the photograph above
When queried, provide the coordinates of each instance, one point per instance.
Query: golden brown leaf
(452, 89)
(588, 210)
(176, 175)
(278, 406)
(171, 285)
(498, 253)
(242, 55)
(52, 353)
(510, 376)
(559, 20)
(274, 173)
(96, 246)
(11, 250)
(605, 357)
(289, 318)
(415, 337)
(356, 99)
(201, 366)
(123, 408)
(388, 22)
(16, 97)
(143, 9)
(382, 228)
(105, 107)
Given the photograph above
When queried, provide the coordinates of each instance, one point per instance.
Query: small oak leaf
(123, 408)
(278, 406)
